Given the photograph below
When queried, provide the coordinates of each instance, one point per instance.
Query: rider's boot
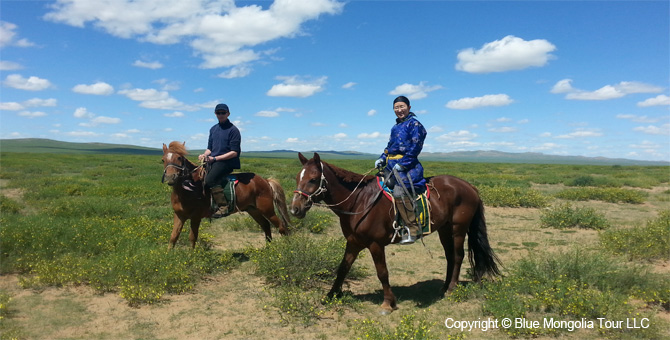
(404, 207)
(220, 200)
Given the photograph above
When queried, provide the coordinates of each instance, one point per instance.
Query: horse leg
(350, 254)
(379, 258)
(447, 240)
(195, 228)
(258, 216)
(458, 254)
(267, 208)
(176, 231)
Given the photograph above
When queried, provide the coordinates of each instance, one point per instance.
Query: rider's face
(401, 109)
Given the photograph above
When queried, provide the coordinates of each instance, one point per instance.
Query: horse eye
(313, 180)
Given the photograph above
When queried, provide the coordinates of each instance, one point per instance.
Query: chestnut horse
(254, 194)
(367, 221)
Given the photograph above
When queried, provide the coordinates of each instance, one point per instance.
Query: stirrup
(222, 211)
(408, 239)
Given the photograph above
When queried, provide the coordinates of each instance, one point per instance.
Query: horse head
(174, 162)
(310, 185)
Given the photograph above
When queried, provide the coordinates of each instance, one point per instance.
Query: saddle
(421, 206)
(195, 184)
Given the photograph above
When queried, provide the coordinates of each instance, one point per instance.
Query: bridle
(322, 189)
(183, 170)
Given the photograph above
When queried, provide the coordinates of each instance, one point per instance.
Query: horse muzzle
(300, 205)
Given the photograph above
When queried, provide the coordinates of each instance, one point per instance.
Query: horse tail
(480, 253)
(279, 199)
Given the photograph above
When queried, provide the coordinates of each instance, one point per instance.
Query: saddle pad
(421, 210)
(229, 192)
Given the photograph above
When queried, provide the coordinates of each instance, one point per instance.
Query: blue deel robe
(406, 139)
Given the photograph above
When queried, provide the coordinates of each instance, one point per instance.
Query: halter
(182, 170)
(322, 188)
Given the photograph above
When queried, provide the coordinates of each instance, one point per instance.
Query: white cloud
(99, 88)
(295, 86)
(340, 135)
(105, 120)
(292, 140)
(461, 135)
(32, 114)
(504, 129)
(11, 106)
(604, 93)
(175, 114)
(636, 118)
(267, 114)
(29, 84)
(239, 71)
(435, 129)
(154, 99)
(663, 130)
(349, 85)
(369, 135)
(82, 112)
(507, 54)
(9, 65)
(7, 34)
(218, 31)
(477, 102)
(414, 91)
(154, 65)
(656, 101)
(581, 133)
(372, 112)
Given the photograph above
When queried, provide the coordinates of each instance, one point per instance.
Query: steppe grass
(410, 327)
(573, 285)
(563, 216)
(644, 242)
(611, 195)
(513, 197)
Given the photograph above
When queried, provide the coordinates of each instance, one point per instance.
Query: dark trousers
(216, 174)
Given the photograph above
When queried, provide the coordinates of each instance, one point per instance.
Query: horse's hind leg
(176, 231)
(258, 216)
(452, 239)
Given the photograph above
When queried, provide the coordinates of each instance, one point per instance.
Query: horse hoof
(384, 311)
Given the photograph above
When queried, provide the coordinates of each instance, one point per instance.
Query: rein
(322, 188)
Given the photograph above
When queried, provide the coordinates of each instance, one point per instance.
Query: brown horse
(367, 221)
(254, 194)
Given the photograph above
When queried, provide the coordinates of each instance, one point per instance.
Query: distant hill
(37, 145)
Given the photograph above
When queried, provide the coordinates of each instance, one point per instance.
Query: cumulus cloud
(349, 85)
(268, 114)
(369, 135)
(175, 114)
(8, 33)
(604, 93)
(155, 99)
(9, 65)
(477, 102)
(99, 88)
(372, 112)
(637, 119)
(295, 86)
(32, 83)
(32, 114)
(154, 65)
(507, 54)
(461, 135)
(239, 71)
(34, 102)
(663, 130)
(412, 91)
(581, 133)
(93, 119)
(221, 33)
(656, 101)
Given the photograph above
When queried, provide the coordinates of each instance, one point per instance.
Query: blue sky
(586, 78)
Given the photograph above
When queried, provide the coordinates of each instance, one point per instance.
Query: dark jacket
(225, 137)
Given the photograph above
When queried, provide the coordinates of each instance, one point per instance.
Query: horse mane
(349, 177)
(178, 148)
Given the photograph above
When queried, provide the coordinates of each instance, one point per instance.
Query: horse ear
(184, 143)
(317, 158)
(164, 148)
(302, 158)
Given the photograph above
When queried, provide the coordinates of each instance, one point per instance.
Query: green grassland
(577, 241)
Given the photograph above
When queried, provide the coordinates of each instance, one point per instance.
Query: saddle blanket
(421, 208)
(229, 192)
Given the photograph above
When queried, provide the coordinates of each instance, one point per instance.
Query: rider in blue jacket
(401, 158)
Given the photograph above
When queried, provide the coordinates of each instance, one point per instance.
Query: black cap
(221, 107)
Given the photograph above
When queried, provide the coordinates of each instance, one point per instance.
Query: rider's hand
(379, 163)
(398, 167)
(201, 158)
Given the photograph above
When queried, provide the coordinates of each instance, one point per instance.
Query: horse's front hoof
(385, 311)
